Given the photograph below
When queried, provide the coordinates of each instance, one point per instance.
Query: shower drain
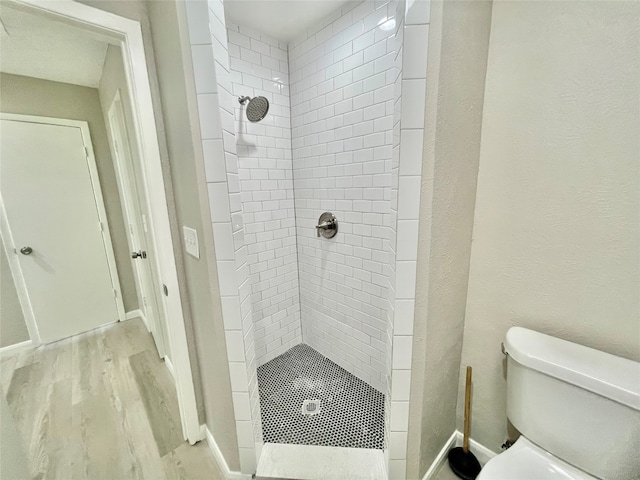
(311, 407)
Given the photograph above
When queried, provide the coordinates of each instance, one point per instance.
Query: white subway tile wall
(342, 100)
(394, 246)
(412, 43)
(259, 67)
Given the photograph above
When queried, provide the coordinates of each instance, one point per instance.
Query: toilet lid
(526, 461)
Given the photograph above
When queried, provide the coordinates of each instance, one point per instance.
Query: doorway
(165, 307)
(135, 217)
(54, 221)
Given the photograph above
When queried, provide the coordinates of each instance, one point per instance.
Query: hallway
(101, 405)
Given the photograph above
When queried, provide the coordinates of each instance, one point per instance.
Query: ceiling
(283, 20)
(35, 46)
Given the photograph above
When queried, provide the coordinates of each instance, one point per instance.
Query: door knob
(139, 254)
(26, 250)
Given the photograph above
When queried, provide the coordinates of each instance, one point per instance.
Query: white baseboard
(135, 314)
(16, 347)
(169, 365)
(482, 453)
(441, 458)
(222, 463)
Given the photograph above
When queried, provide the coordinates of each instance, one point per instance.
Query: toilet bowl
(526, 461)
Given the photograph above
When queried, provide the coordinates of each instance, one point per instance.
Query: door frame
(127, 34)
(115, 114)
(103, 223)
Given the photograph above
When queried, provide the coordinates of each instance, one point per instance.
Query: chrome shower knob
(327, 225)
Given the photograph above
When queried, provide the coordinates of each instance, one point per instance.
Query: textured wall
(179, 109)
(259, 66)
(342, 118)
(458, 45)
(556, 240)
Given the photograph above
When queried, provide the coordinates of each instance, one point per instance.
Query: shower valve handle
(327, 225)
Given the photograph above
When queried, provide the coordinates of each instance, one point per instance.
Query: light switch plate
(191, 241)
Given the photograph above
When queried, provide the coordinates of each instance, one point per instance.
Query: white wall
(342, 117)
(556, 239)
(259, 66)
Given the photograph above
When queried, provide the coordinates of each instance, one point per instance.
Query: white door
(135, 218)
(53, 216)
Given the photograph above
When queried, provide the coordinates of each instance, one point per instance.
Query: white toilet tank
(577, 403)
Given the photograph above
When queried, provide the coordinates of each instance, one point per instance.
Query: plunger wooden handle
(467, 411)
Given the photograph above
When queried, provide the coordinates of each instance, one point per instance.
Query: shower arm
(242, 100)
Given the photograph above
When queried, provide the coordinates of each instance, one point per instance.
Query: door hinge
(86, 152)
(115, 293)
(165, 290)
(101, 225)
(144, 301)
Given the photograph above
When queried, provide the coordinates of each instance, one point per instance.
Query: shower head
(256, 109)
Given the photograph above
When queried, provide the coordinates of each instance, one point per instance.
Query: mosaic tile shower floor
(351, 411)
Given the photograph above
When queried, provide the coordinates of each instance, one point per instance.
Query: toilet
(577, 409)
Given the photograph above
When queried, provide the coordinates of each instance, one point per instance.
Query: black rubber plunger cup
(464, 463)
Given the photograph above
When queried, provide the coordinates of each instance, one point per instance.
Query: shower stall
(318, 302)
(307, 208)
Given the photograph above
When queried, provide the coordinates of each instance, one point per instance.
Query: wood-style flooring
(101, 406)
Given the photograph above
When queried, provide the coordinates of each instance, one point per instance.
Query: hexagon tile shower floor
(351, 412)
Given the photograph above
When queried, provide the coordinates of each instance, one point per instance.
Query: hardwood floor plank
(24, 387)
(37, 452)
(192, 462)
(158, 396)
(141, 442)
(57, 357)
(105, 457)
(129, 338)
(101, 405)
(88, 367)
(61, 440)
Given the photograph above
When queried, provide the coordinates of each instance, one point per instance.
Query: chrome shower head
(256, 109)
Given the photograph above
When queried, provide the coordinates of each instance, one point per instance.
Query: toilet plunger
(464, 463)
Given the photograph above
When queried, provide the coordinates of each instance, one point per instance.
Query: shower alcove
(309, 320)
